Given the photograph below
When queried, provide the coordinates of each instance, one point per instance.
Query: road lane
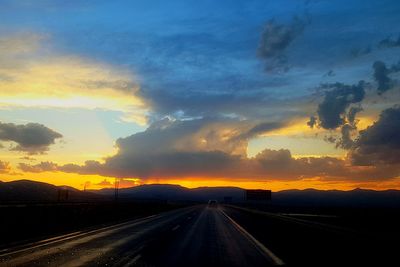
(106, 246)
(194, 236)
(303, 242)
(210, 239)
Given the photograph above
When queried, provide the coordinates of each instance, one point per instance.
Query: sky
(258, 94)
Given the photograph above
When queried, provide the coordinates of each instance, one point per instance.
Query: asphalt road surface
(193, 236)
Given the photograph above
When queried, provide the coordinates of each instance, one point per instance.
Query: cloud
(208, 148)
(381, 76)
(91, 167)
(27, 158)
(379, 144)
(175, 149)
(45, 166)
(260, 128)
(351, 115)
(332, 111)
(32, 138)
(358, 52)
(335, 111)
(167, 143)
(389, 42)
(276, 38)
(267, 165)
(200, 135)
(312, 122)
(105, 183)
(5, 167)
(32, 75)
(349, 129)
(346, 140)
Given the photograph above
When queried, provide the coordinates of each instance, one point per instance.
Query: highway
(192, 236)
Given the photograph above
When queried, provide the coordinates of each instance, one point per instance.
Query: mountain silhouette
(26, 190)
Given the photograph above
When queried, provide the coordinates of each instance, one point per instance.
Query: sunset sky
(257, 94)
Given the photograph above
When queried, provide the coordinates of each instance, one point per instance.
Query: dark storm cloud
(346, 141)
(389, 42)
(312, 122)
(351, 115)
(358, 52)
(276, 37)
(332, 111)
(336, 111)
(347, 130)
(32, 138)
(380, 142)
(381, 73)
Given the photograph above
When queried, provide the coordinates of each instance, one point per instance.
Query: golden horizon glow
(64, 81)
(93, 182)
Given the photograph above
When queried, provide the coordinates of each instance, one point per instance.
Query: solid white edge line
(264, 249)
(133, 261)
(70, 236)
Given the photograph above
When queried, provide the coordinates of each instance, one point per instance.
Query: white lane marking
(176, 227)
(67, 237)
(133, 261)
(87, 238)
(258, 244)
(307, 223)
(40, 243)
(308, 215)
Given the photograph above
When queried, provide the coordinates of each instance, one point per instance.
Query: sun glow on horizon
(98, 182)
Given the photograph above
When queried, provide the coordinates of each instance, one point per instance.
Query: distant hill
(25, 190)
(357, 198)
(176, 192)
(300, 198)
